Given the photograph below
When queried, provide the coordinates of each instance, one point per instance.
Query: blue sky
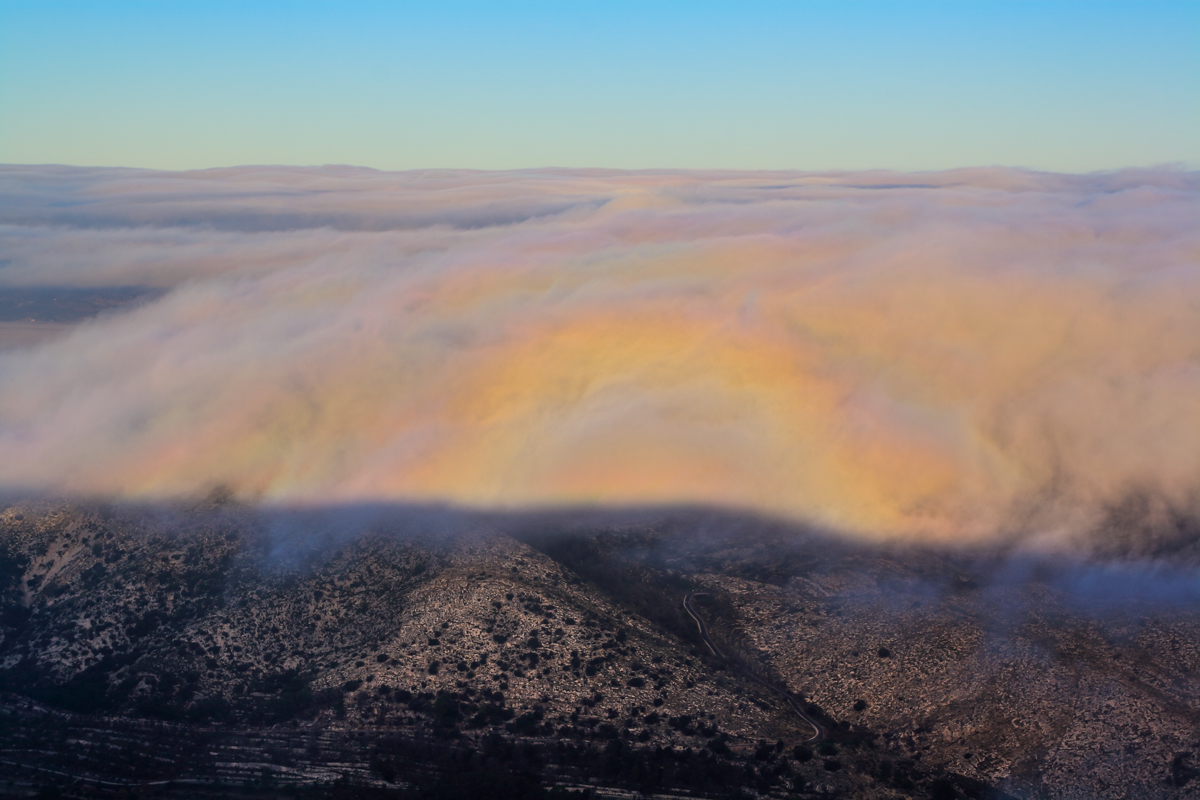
(1072, 86)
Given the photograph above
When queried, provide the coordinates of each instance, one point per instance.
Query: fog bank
(952, 356)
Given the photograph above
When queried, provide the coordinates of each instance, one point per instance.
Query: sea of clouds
(955, 356)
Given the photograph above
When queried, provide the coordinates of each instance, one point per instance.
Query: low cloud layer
(952, 356)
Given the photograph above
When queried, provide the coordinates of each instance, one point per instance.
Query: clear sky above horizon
(1066, 86)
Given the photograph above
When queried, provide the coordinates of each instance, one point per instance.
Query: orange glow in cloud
(943, 356)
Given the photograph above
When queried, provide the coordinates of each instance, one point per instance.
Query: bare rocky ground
(216, 647)
(1045, 677)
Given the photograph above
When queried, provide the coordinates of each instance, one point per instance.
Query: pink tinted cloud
(950, 355)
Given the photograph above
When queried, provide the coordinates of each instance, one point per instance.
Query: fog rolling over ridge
(954, 356)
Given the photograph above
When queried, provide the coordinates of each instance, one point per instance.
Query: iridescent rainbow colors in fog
(944, 355)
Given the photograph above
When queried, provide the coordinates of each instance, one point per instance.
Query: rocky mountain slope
(218, 646)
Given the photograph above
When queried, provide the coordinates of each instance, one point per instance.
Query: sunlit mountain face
(953, 356)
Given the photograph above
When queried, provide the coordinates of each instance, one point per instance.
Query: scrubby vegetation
(199, 646)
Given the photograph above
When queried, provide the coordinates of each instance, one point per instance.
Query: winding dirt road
(792, 700)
